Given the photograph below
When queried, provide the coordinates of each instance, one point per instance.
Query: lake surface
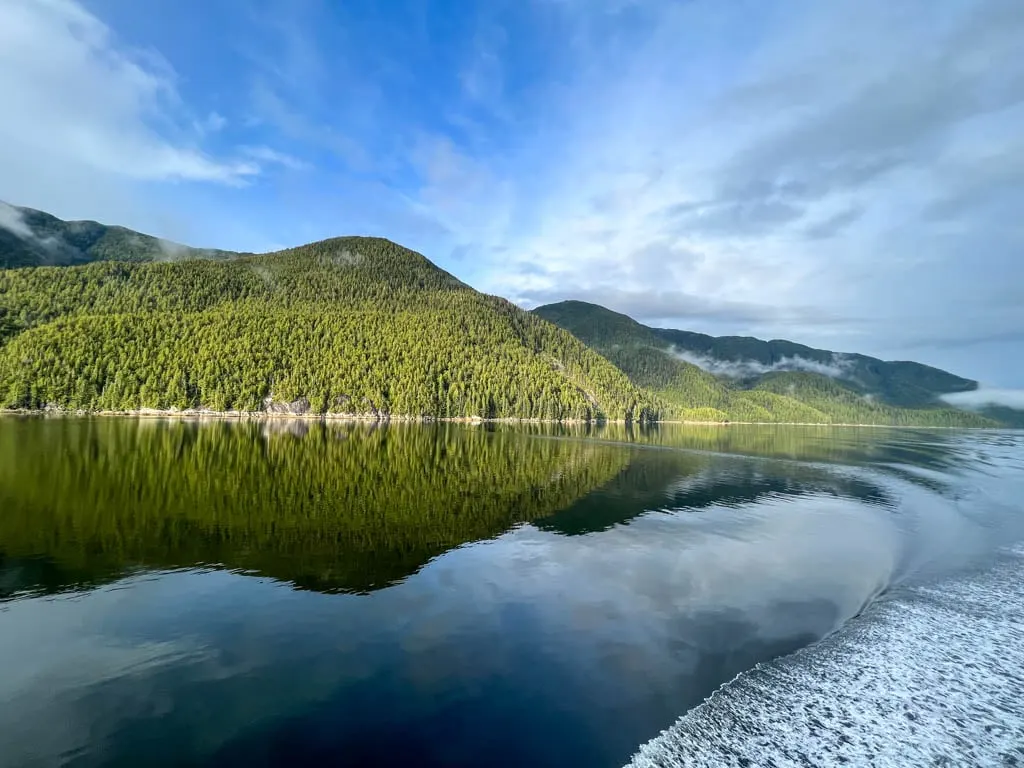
(285, 593)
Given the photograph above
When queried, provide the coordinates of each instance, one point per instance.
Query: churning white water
(931, 676)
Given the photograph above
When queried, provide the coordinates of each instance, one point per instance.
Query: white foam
(932, 676)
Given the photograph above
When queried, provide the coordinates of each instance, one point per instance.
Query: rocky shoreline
(200, 414)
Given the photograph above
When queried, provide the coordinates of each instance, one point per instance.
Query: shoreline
(205, 415)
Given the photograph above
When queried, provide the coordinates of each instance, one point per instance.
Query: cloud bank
(70, 89)
(986, 396)
(14, 222)
(692, 172)
(741, 369)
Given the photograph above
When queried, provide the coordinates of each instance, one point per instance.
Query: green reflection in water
(325, 506)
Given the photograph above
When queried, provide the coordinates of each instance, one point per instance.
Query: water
(285, 593)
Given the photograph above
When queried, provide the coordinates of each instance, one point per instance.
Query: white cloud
(772, 156)
(82, 110)
(979, 398)
(12, 220)
(270, 156)
(840, 367)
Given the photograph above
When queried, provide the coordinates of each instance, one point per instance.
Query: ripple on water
(933, 676)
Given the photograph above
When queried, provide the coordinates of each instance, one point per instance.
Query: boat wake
(928, 675)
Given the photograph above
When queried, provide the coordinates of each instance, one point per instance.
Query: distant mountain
(351, 325)
(898, 383)
(31, 238)
(746, 379)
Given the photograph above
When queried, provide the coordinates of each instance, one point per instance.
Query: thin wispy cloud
(13, 220)
(988, 396)
(265, 156)
(738, 369)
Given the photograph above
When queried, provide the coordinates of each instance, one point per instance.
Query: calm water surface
(251, 594)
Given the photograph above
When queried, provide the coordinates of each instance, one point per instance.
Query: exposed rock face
(298, 407)
(294, 427)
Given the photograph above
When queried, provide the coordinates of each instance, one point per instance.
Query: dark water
(297, 593)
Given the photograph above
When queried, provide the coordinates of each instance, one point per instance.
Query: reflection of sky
(594, 642)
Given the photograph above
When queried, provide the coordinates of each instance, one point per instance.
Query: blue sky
(847, 174)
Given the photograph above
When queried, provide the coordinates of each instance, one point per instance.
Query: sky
(848, 175)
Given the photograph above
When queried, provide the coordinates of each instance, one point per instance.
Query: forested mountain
(94, 317)
(762, 389)
(902, 383)
(31, 238)
(350, 325)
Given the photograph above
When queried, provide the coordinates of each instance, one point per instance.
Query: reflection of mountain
(331, 508)
(688, 475)
(681, 481)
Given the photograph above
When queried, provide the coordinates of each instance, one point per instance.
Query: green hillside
(649, 356)
(897, 383)
(101, 318)
(39, 239)
(348, 325)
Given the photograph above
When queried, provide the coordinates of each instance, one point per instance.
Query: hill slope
(766, 390)
(31, 238)
(901, 383)
(348, 325)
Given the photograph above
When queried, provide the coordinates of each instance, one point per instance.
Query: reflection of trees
(327, 507)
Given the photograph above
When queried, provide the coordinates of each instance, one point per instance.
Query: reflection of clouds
(629, 609)
(54, 656)
(668, 565)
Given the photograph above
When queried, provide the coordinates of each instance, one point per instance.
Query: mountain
(770, 381)
(351, 325)
(898, 383)
(1004, 414)
(95, 317)
(31, 238)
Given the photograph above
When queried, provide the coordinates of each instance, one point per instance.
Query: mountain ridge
(359, 326)
(347, 326)
(33, 238)
(777, 354)
(763, 390)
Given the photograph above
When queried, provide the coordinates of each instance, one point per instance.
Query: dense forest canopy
(348, 325)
